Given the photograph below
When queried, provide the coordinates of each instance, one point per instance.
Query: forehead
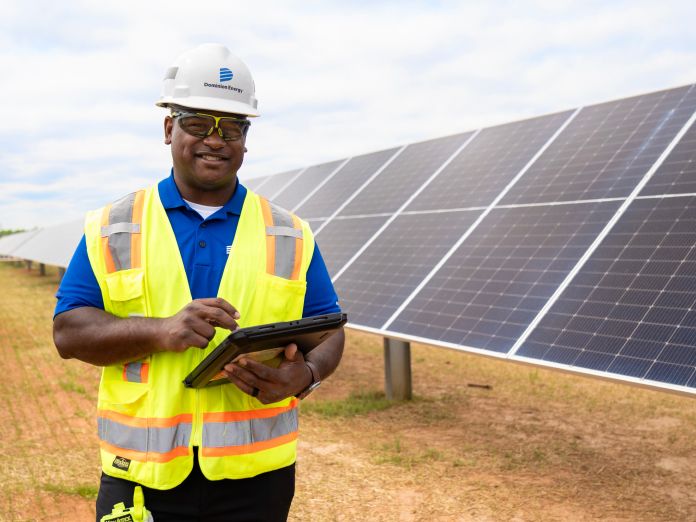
(208, 111)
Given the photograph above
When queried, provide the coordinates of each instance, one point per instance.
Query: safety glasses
(202, 125)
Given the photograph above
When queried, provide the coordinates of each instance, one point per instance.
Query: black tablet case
(306, 333)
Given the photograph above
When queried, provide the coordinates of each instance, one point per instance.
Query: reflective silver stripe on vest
(284, 244)
(133, 372)
(284, 231)
(116, 228)
(121, 215)
(240, 433)
(154, 440)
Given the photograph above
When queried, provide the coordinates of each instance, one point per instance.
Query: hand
(273, 384)
(194, 324)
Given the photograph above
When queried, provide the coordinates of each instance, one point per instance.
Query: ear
(168, 128)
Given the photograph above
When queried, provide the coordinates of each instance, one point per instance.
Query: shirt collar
(171, 198)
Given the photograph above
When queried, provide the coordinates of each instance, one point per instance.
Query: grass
(536, 445)
(357, 403)
(88, 492)
(72, 386)
(49, 408)
(395, 453)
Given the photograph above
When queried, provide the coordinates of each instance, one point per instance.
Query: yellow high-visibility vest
(148, 421)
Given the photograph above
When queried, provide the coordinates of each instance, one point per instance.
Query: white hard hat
(210, 77)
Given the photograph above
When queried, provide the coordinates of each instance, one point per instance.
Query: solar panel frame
(330, 198)
(276, 183)
(481, 171)
(53, 245)
(396, 183)
(677, 174)
(492, 287)
(607, 149)
(11, 242)
(254, 184)
(636, 296)
(388, 271)
(338, 244)
(306, 183)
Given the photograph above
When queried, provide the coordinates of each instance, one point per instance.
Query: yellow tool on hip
(137, 513)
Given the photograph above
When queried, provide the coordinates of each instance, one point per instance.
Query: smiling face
(205, 169)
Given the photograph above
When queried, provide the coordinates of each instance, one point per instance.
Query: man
(167, 272)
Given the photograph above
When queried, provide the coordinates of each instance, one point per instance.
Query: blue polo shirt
(204, 246)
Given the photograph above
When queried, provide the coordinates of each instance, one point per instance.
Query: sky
(333, 80)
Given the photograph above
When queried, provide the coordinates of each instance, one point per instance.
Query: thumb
(291, 352)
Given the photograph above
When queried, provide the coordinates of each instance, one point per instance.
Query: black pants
(264, 498)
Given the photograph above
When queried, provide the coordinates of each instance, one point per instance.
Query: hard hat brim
(210, 104)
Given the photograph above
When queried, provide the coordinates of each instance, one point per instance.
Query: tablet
(263, 342)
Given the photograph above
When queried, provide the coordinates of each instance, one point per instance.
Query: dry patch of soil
(537, 445)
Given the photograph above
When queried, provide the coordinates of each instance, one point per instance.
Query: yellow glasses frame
(241, 123)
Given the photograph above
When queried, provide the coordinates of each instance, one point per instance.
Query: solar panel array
(566, 240)
(51, 245)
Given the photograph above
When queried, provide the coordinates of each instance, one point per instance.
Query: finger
(219, 317)
(292, 353)
(219, 302)
(216, 317)
(243, 385)
(194, 339)
(260, 370)
(250, 385)
(245, 376)
(204, 329)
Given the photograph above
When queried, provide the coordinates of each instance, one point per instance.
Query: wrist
(155, 332)
(315, 380)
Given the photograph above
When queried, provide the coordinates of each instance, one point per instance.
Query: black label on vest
(121, 463)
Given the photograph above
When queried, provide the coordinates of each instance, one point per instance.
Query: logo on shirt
(228, 248)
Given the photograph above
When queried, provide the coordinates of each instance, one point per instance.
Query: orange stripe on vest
(249, 448)
(142, 456)
(145, 422)
(233, 416)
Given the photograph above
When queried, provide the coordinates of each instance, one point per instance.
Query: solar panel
(344, 184)
(272, 187)
(390, 269)
(341, 238)
(524, 240)
(53, 245)
(388, 191)
(305, 183)
(632, 308)
(10, 243)
(606, 149)
(677, 175)
(254, 183)
(478, 174)
(491, 288)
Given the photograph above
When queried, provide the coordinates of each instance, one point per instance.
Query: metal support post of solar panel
(566, 241)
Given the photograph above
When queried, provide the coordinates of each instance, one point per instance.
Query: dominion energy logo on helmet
(225, 76)
(210, 77)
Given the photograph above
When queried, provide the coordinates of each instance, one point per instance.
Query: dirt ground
(534, 445)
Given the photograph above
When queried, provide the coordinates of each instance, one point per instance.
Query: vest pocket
(277, 299)
(125, 398)
(126, 289)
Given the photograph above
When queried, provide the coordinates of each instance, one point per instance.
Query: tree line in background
(8, 231)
